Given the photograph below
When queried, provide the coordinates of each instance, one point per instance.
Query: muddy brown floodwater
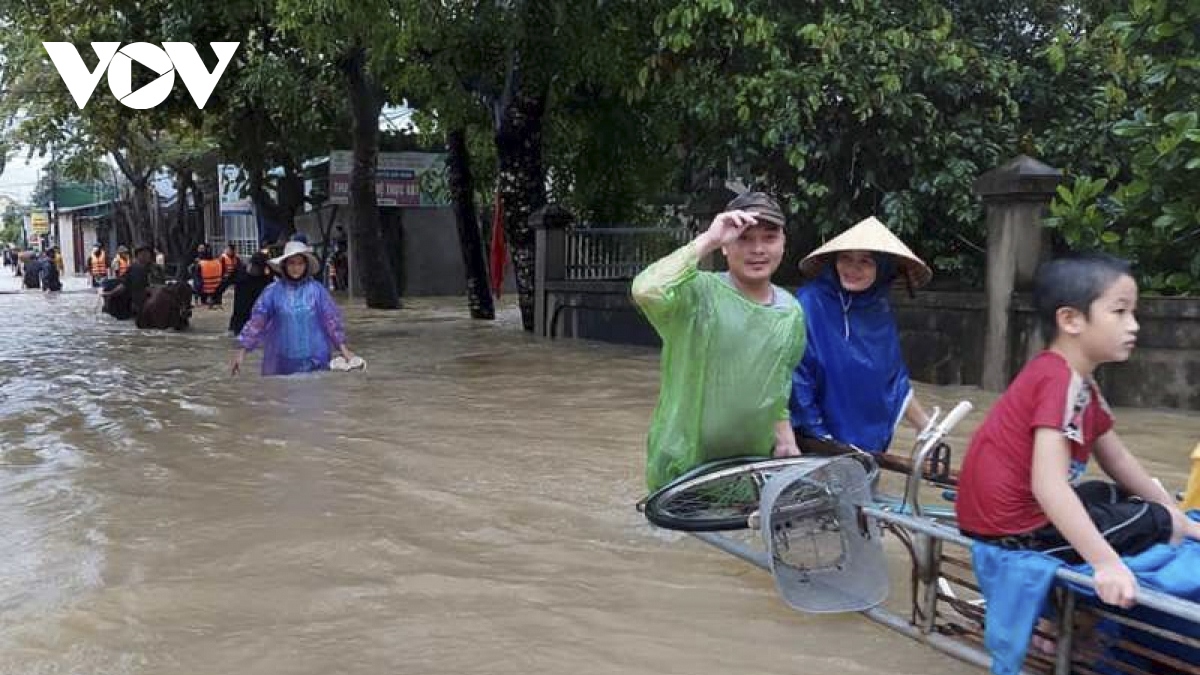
(463, 506)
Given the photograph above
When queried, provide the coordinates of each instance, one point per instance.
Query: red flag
(498, 251)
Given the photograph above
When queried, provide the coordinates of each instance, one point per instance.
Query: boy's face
(1109, 332)
(755, 255)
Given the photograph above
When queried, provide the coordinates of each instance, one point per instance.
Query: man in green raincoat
(730, 343)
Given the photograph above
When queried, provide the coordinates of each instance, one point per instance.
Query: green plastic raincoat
(727, 366)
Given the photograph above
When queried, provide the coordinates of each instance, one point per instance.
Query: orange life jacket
(210, 276)
(228, 265)
(99, 264)
(122, 264)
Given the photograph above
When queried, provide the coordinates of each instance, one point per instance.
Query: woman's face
(856, 270)
(296, 267)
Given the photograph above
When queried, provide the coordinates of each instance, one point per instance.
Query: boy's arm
(1120, 464)
(1115, 584)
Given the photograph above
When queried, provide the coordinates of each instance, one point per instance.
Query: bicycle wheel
(717, 496)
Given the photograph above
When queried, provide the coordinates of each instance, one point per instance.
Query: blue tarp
(1015, 585)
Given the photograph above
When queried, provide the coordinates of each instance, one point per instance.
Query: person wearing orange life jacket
(230, 264)
(207, 279)
(98, 265)
(120, 264)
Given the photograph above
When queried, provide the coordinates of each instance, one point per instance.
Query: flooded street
(463, 506)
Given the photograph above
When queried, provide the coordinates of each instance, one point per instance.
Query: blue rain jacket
(852, 384)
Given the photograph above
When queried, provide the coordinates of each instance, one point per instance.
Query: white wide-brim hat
(869, 235)
(296, 248)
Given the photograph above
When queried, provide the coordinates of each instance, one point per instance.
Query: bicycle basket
(820, 556)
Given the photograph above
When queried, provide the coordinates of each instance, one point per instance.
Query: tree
(12, 231)
(462, 187)
(47, 116)
(547, 80)
(361, 45)
(1145, 206)
(846, 110)
(283, 106)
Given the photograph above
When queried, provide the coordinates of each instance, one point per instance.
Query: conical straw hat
(869, 235)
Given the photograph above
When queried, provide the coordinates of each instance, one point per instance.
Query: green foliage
(11, 230)
(1150, 211)
(604, 153)
(847, 110)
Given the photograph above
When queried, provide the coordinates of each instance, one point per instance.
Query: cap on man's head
(762, 206)
(259, 259)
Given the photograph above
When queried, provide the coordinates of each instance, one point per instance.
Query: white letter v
(196, 78)
(74, 73)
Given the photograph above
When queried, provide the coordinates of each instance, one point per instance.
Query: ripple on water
(468, 499)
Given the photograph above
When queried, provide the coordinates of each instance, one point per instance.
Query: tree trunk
(205, 187)
(325, 224)
(198, 228)
(180, 235)
(267, 206)
(522, 185)
(462, 187)
(124, 232)
(370, 261)
(189, 232)
(143, 225)
(391, 222)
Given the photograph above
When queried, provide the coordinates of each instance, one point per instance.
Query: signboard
(232, 201)
(39, 222)
(414, 179)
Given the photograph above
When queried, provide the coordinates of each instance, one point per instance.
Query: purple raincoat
(298, 324)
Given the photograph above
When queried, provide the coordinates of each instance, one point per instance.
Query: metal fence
(617, 253)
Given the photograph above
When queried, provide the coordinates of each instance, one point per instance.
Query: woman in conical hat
(852, 385)
(295, 319)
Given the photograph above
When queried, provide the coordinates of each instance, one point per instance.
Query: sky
(19, 178)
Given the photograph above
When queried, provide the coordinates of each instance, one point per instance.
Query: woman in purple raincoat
(295, 319)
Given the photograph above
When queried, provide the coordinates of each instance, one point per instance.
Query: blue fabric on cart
(1016, 584)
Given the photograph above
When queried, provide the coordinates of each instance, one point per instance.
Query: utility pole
(53, 198)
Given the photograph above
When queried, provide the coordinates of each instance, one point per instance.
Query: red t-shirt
(995, 491)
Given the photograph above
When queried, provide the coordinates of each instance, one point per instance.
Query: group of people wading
(278, 302)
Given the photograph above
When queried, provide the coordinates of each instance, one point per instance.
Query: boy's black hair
(1073, 281)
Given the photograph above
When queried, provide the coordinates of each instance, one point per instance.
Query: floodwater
(463, 506)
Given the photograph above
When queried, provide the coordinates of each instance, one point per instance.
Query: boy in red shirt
(1017, 486)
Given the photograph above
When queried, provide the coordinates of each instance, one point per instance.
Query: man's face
(755, 255)
(144, 257)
